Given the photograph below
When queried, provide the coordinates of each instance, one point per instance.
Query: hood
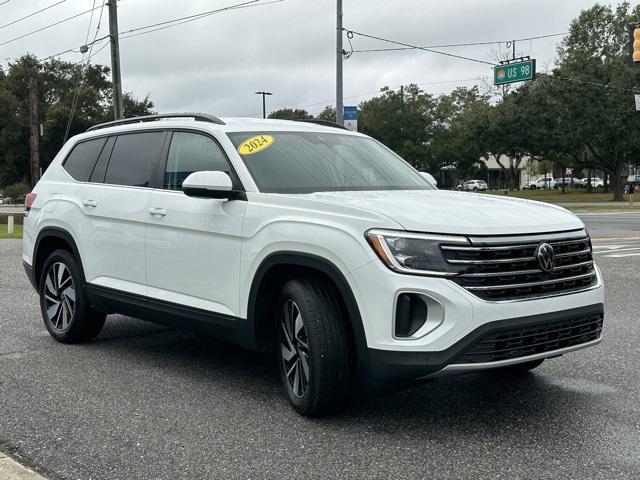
(442, 211)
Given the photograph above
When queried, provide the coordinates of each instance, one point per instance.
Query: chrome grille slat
(510, 247)
(488, 262)
(525, 272)
(533, 284)
(572, 254)
(519, 259)
(504, 269)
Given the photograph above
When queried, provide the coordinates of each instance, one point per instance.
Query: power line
(169, 24)
(468, 44)
(6, 1)
(86, 39)
(30, 15)
(426, 49)
(74, 50)
(191, 18)
(76, 96)
(194, 16)
(49, 26)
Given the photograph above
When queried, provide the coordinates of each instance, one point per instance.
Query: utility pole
(339, 94)
(116, 79)
(264, 103)
(34, 131)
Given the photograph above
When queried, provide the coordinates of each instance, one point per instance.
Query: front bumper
(466, 318)
(516, 340)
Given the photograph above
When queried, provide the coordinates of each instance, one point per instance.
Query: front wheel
(313, 352)
(67, 314)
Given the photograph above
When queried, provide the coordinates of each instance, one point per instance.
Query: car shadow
(486, 402)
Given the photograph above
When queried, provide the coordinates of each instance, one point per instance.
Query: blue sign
(350, 113)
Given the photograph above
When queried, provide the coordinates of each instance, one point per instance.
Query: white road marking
(634, 249)
(605, 214)
(622, 255)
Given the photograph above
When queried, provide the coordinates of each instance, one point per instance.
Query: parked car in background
(474, 186)
(569, 182)
(541, 183)
(596, 182)
(430, 179)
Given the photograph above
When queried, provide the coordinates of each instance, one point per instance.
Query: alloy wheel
(294, 347)
(59, 296)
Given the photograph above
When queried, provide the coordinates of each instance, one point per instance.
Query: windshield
(305, 162)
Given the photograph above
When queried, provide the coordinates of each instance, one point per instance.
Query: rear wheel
(475, 189)
(66, 312)
(313, 353)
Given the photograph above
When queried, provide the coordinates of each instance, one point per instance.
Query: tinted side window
(82, 158)
(134, 159)
(191, 152)
(97, 176)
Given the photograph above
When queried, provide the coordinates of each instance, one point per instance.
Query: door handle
(157, 212)
(90, 203)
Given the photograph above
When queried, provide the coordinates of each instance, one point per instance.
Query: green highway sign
(514, 72)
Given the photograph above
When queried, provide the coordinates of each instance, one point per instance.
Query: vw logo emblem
(546, 257)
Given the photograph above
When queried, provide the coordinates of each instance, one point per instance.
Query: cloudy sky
(215, 64)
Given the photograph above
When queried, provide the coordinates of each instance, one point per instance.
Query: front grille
(499, 269)
(510, 343)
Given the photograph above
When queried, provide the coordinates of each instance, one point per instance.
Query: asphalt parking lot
(144, 402)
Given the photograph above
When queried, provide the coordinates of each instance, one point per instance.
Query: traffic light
(634, 44)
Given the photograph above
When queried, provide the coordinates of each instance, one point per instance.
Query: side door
(114, 203)
(194, 244)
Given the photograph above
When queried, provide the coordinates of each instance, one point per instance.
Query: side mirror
(210, 185)
(429, 178)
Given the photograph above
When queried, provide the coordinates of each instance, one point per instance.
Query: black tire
(521, 368)
(532, 187)
(69, 320)
(328, 369)
(475, 189)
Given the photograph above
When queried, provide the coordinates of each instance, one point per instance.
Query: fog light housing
(411, 314)
(416, 315)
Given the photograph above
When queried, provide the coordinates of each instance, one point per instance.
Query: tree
(403, 120)
(59, 83)
(291, 114)
(455, 141)
(599, 106)
(328, 114)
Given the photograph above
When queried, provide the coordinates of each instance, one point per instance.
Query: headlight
(415, 253)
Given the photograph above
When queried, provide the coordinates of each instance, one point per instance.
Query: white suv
(308, 240)
(474, 186)
(541, 183)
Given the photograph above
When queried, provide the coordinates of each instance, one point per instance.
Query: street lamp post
(264, 106)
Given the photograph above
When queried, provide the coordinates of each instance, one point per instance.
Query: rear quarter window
(80, 162)
(134, 159)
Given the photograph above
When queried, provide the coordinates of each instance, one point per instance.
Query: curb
(12, 470)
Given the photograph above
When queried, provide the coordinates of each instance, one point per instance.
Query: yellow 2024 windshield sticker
(255, 144)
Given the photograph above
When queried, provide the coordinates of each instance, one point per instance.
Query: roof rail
(325, 123)
(200, 117)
